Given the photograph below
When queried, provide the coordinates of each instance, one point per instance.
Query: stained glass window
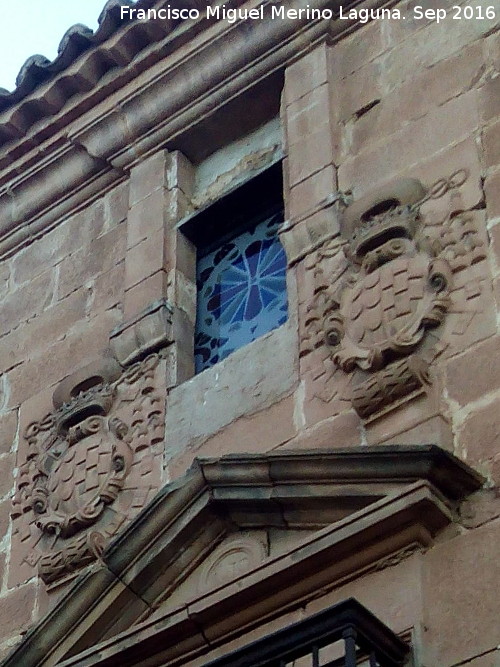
(241, 291)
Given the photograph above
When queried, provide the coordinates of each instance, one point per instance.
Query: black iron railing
(347, 629)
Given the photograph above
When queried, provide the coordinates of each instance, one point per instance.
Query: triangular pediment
(239, 532)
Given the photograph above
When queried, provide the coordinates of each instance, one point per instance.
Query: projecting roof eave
(77, 39)
(85, 59)
(149, 86)
(164, 81)
(393, 497)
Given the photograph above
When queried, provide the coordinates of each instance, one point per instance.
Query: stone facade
(352, 451)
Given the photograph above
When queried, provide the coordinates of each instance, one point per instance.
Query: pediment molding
(394, 498)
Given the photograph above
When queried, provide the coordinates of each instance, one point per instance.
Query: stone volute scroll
(90, 464)
(377, 303)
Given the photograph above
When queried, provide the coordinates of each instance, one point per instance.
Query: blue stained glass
(241, 292)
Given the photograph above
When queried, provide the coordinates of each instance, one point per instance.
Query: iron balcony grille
(361, 637)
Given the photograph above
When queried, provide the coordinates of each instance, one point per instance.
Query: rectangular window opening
(241, 268)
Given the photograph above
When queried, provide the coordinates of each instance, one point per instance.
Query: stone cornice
(399, 497)
(165, 90)
(199, 82)
(328, 558)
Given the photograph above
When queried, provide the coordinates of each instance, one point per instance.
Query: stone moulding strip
(333, 555)
(381, 463)
(102, 149)
(148, 331)
(273, 44)
(34, 203)
(417, 490)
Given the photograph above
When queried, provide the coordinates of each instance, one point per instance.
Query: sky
(37, 26)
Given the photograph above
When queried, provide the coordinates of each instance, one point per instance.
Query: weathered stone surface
(115, 205)
(326, 389)
(311, 191)
(341, 431)
(2, 569)
(259, 432)
(181, 257)
(148, 176)
(434, 429)
(108, 289)
(150, 331)
(480, 508)
(492, 192)
(40, 403)
(463, 155)
(146, 217)
(383, 160)
(489, 94)
(17, 610)
(8, 431)
(307, 73)
(4, 278)
(473, 316)
(145, 258)
(356, 50)
(491, 143)
(417, 97)
(359, 91)
(460, 608)
(307, 114)
(140, 296)
(53, 324)
(50, 249)
(7, 462)
(406, 418)
(491, 659)
(492, 51)
(302, 238)
(84, 343)
(4, 519)
(202, 406)
(435, 42)
(311, 154)
(471, 375)
(99, 256)
(493, 470)
(181, 174)
(479, 435)
(27, 301)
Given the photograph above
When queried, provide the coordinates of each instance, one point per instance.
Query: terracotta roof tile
(77, 39)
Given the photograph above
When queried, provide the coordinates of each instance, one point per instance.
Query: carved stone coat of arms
(90, 465)
(393, 288)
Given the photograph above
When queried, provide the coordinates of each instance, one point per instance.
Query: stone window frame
(217, 216)
(166, 190)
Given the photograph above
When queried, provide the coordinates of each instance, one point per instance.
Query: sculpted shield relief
(374, 311)
(90, 465)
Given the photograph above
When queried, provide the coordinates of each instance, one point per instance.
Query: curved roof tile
(78, 38)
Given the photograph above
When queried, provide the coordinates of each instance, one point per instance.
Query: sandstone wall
(61, 295)
(416, 99)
